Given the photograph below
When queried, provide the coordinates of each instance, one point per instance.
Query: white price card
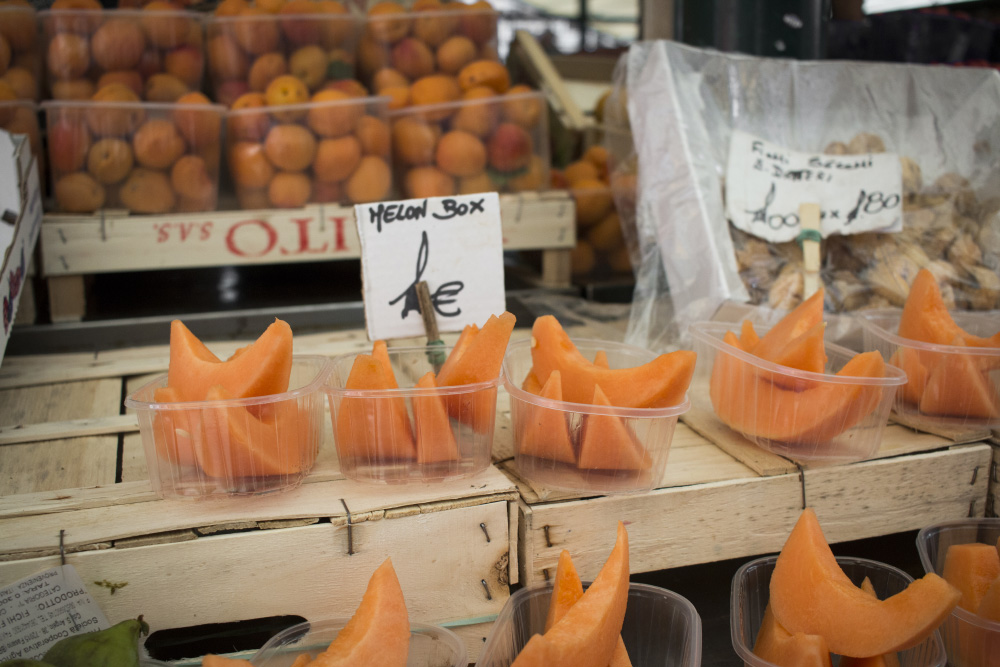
(766, 183)
(454, 244)
(38, 611)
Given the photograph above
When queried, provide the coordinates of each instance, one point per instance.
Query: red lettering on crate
(303, 225)
(249, 244)
(340, 245)
(182, 231)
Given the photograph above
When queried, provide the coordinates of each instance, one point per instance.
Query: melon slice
(174, 430)
(372, 429)
(236, 442)
(989, 605)
(301, 660)
(780, 647)
(212, 660)
(477, 359)
(531, 384)
(379, 631)
(811, 594)
(748, 403)
(607, 443)
(435, 440)
(261, 369)
(659, 383)
(971, 568)
(909, 361)
(381, 352)
(806, 352)
(884, 660)
(798, 321)
(748, 335)
(601, 359)
(926, 318)
(545, 433)
(956, 386)
(566, 590)
(587, 635)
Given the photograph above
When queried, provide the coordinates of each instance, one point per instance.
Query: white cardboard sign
(38, 611)
(766, 183)
(454, 244)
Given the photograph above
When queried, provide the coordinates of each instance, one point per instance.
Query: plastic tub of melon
(661, 628)
(430, 645)
(948, 385)
(750, 594)
(836, 416)
(414, 432)
(227, 447)
(971, 640)
(587, 447)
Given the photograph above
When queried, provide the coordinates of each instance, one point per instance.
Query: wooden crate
(993, 498)
(70, 462)
(75, 246)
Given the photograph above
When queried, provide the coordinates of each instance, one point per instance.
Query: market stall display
(20, 52)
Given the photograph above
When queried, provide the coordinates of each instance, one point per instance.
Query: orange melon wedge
(989, 605)
(372, 429)
(588, 633)
(806, 352)
(926, 318)
(971, 568)
(476, 359)
(798, 321)
(957, 386)
(746, 402)
(173, 430)
(659, 383)
(748, 335)
(435, 440)
(236, 442)
(566, 590)
(531, 384)
(811, 594)
(301, 660)
(545, 433)
(909, 361)
(607, 443)
(261, 369)
(601, 359)
(779, 646)
(884, 660)
(212, 660)
(381, 352)
(378, 632)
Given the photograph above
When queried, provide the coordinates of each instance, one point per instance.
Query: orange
(435, 89)
(309, 63)
(290, 147)
(191, 180)
(79, 192)
(147, 191)
(289, 189)
(370, 182)
(286, 90)
(157, 144)
(374, 136)
(428, 181)
(266, 68)
(413, 141)
(110, 160)
(336, 159)
(521, 108)
(478, 118)
(387, 22)
(249, 166)
(248, 126)
(200, 126)
(334, 113)
(455, 53)
(484, 73)
(460, 154)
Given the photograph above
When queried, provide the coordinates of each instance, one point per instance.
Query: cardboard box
(21, 211)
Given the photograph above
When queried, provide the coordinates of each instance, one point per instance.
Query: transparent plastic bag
(683, 105)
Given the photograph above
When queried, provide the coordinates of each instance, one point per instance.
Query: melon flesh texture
(601, 359)
(435, 439)
(531, 384)
(173, 430)
(806, 352)
(926, 318)
(587, 635)
(261, 369)
(909, 362)
(884, 660)
(379, 631)
(798, 321)
(659, 383)
(372, 429)
(545, 433)
(989, 606)
(749, 404)
(957, 387)
(971, 568)
(301, 660)
(811, 594)
(476, 359)
(236, 442)
(780, 647)
(212, 660)
(607, 443)
(566, 590)
(748, 335)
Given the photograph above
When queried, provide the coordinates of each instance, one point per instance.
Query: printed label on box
(766, 183)
(454, 244)
(38, 611)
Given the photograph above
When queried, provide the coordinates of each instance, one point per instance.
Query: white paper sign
(765, 183)
(38, 611)
(454, 244)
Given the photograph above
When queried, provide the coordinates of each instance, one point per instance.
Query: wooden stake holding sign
(810, 238)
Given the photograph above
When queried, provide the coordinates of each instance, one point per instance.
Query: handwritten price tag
(454, 244)
(766, 183)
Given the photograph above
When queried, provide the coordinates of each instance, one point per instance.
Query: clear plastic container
(498, 143)
(21, 117)
(949, 385)
(248, 446)
(751, 592)
(661, 628)
(430, 645)
(157, 53)
(970, 640)
(646, 433)
(380, 437)
(248, 51)
(414, 44)
(144, 157)
(324, 152)
(19, 29)
(815, 417)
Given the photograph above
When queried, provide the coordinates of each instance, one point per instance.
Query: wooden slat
(73, 428)
(957, 431)
(74, 245)
(993, 496)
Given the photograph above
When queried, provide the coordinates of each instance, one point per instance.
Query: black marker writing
(444, 295)
(451, 209)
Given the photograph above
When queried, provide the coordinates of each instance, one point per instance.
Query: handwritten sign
(766, 183)
(454, 244)
(38, 611)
